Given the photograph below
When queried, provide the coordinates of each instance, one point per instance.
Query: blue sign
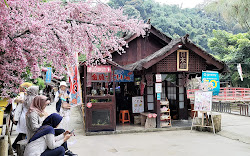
(123, 76)
(158, 96)
(212, 76)
(48, 75)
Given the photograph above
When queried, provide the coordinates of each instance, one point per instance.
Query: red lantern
(154, 115)
(150, 115)
(89, 104)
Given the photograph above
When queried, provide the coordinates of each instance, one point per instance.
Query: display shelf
(165, 114)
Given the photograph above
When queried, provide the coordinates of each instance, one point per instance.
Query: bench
(21, 147)
(148, 119)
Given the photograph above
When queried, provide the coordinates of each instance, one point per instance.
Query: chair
(124, 116)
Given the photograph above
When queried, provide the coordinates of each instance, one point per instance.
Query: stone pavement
(235, 127)
(234, 139)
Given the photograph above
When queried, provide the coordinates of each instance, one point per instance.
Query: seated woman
(44, 142)
(35, 114)
(34, 119)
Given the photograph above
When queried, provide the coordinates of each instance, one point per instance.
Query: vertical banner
(212, 76)
(75, 86)
(48, 75)
(240, 71)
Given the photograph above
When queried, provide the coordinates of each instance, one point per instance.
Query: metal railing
(226, 95)
(229, 100)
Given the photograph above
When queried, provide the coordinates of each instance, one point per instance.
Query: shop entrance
(124, 93)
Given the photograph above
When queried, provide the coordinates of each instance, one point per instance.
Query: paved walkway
(235, 127)
(234, 139)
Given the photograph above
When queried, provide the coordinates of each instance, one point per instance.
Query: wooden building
(177, 60)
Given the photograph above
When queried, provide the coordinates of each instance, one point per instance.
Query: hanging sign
(212, 76)
(48, 75)
(182, 60)
(98, 77)
(123, 76)
(158, 87)
(158, 77)
(158, 96)
(99, 69)
(203, 101)
(119, 76)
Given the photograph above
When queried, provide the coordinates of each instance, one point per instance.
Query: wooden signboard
(182, 60)
(203, 104)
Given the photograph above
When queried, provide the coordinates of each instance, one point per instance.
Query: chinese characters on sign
(119, 76)
(182, 60)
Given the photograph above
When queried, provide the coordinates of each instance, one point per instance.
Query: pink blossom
(33, 32)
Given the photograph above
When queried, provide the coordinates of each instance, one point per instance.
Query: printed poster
(138, 104)
(203, 101)
(212, 76)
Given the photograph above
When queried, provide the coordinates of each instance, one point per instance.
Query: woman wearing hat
(63, 99)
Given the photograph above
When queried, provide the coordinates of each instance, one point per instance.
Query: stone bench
(148, 120)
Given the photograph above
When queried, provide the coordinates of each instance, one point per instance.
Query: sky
(185, 3)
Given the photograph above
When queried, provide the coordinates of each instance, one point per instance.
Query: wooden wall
(139, 48)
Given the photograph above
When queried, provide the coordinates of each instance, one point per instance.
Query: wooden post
(158, 125)
(85, 96)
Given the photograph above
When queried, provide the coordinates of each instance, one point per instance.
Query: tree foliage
(233, 49)
(176, 22)
(231, 10)
(33, 32)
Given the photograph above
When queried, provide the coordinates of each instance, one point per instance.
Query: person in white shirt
(63, 100)
(44, 142)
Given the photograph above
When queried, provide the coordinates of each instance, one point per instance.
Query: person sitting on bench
(44, 142)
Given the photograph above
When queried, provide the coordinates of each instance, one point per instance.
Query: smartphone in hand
(72, 132)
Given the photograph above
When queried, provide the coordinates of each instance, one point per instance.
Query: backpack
(59, 102)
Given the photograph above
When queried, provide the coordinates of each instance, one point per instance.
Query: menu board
(203, 101)
(138, 104)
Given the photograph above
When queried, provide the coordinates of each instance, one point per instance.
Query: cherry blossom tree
(33, 32)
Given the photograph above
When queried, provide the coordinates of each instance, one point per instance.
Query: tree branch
(19, 35)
